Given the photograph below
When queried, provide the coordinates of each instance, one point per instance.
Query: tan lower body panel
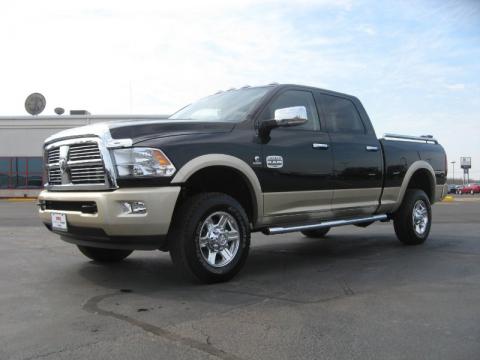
(299, 206)
(389, 199)
(111, 216)
(355, 202)
(294, 202)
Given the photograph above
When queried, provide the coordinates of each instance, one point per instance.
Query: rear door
(297, 163)
(357, 157)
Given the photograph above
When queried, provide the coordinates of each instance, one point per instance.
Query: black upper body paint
(343, 164)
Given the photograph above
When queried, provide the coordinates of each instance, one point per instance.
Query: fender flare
(205, 161)
(414, 167)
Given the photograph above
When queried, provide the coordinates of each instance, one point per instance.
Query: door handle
(371, 148)
(320, 146)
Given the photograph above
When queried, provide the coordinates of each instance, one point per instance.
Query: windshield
(233, 105)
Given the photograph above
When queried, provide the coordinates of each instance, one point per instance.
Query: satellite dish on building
(59, 110)
(35, 103)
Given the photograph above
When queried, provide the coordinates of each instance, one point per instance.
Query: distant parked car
(470, 189)
(453, 189)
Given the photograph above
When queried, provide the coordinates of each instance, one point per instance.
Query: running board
(325, 224)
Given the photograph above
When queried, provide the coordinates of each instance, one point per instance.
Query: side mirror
(291, 116)
(285, 117)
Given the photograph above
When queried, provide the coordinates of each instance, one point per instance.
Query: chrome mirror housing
(284, 117)
(291, 116)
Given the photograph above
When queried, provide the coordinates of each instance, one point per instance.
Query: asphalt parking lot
(357, 294)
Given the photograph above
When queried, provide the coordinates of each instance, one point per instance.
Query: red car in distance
(470, 189)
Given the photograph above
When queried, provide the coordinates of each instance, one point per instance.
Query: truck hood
(143, 129)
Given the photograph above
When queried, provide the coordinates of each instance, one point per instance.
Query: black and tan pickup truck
(275, 159)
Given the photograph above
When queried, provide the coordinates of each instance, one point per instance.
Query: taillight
(446, 167)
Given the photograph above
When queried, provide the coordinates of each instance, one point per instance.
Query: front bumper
(111, 222)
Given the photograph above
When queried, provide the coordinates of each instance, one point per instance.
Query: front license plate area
(59, 222)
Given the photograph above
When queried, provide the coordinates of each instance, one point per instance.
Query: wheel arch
(420, 175)
(217, 162)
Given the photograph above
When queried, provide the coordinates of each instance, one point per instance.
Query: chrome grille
(54, 156)
(82, 152)
(54, 176)
(75, 163)
(87, 174)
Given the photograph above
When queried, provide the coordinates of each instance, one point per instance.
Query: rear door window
(341, 115)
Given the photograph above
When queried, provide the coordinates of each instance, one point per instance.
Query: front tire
(318, 233)
(210, 237)
(413, 219)
(104, 255)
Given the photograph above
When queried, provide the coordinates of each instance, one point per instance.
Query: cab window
(294, 98)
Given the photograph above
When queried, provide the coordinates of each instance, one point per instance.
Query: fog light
(134, 207)
(42, 205)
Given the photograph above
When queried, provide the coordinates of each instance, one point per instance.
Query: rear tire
(413, 219)
(104, 255)
(318, 233)
(210, 238)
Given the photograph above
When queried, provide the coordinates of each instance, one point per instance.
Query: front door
(296, 163)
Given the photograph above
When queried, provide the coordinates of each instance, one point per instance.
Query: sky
(415, 65)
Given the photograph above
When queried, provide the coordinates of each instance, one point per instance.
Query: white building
(21, 141)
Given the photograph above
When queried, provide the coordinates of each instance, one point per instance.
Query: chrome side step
(333, 223)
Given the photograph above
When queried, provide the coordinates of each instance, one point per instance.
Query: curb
(18, 199)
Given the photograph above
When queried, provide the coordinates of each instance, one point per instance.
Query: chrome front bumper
(111, 217)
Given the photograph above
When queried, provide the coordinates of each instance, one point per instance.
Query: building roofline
(83, 117)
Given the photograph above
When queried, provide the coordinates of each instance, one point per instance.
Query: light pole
(453, 172)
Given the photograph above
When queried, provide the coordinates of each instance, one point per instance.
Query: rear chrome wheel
(420, 217)
(413, 219)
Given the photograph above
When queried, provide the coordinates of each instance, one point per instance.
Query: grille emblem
(63, 164)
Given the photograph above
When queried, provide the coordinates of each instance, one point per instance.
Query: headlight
(142, 162)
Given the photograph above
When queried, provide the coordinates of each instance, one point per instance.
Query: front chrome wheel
(420, 217)
(210, 237)
(219, 239)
